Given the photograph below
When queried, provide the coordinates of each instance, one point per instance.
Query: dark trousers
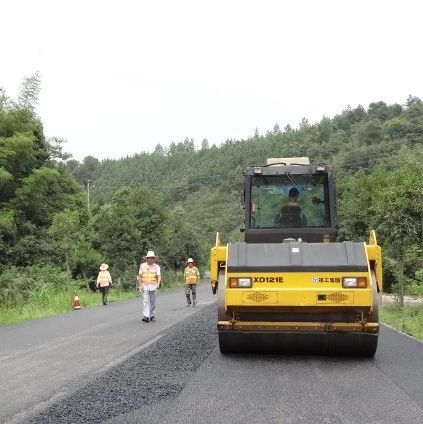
(191, 288)
(104, 293)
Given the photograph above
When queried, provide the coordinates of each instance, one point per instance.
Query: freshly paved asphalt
(181, 377)
(43, 361)
(272, 389)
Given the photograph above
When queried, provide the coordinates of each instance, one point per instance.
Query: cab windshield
(289, 201)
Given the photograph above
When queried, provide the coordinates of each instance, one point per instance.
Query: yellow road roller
(290, 287)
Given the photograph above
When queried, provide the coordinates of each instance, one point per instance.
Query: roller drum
(342, 344)
(308, 343)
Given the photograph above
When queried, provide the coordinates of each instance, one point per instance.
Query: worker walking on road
(191, 279)
(104, 281)
(148, 282)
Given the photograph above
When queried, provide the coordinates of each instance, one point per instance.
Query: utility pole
(88, 196)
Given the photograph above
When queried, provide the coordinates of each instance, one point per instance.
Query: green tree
(18, 120)
(379, 110)
(398, 216)
(8, 233)
(85, 260)
(17, 159)
(66, 233)
(371, 132)
(45, 192)
(182, 241)
(389, 200)
(205, 144)
(127, 227)
(30, 91)
(85, 171)
(397, 128)
(56, 152)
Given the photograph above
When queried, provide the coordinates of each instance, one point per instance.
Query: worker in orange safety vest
(149, 279)
(191, 279)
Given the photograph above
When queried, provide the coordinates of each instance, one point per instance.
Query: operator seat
(290, 216)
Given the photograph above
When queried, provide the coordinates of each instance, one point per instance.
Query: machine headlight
(244, 282)
(358, 282)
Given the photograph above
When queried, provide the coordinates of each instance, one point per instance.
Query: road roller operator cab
(290, 199)
(290, 286)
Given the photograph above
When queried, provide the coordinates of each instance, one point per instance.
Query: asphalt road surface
(102, 365)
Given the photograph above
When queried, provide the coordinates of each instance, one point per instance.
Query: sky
(119, 77)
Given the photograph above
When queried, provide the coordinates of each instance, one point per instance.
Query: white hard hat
(190, 260)
(150, 254)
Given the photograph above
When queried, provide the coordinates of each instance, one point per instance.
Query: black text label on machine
(268, 279)
(326, 280)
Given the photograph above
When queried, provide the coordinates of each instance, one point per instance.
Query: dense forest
(173, 200)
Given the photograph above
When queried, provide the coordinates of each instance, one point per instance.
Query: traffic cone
(76, 302)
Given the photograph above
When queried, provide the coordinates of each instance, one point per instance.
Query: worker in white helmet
(149, 279)
(191, 279)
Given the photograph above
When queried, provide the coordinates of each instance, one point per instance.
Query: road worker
(148, 282)
(104, 282)
(191, 279)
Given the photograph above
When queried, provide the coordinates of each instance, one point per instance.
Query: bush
(415, 288)
(171, 279)
(126, 281)
(21, 285)
(415, 285)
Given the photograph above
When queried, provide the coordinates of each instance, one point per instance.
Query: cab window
(289, 201)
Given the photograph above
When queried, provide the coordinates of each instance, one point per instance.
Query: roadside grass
(47, 300)
(49, 304)
(409, 320)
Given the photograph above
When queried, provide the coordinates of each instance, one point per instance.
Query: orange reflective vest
(191, 275)
(149, 275)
